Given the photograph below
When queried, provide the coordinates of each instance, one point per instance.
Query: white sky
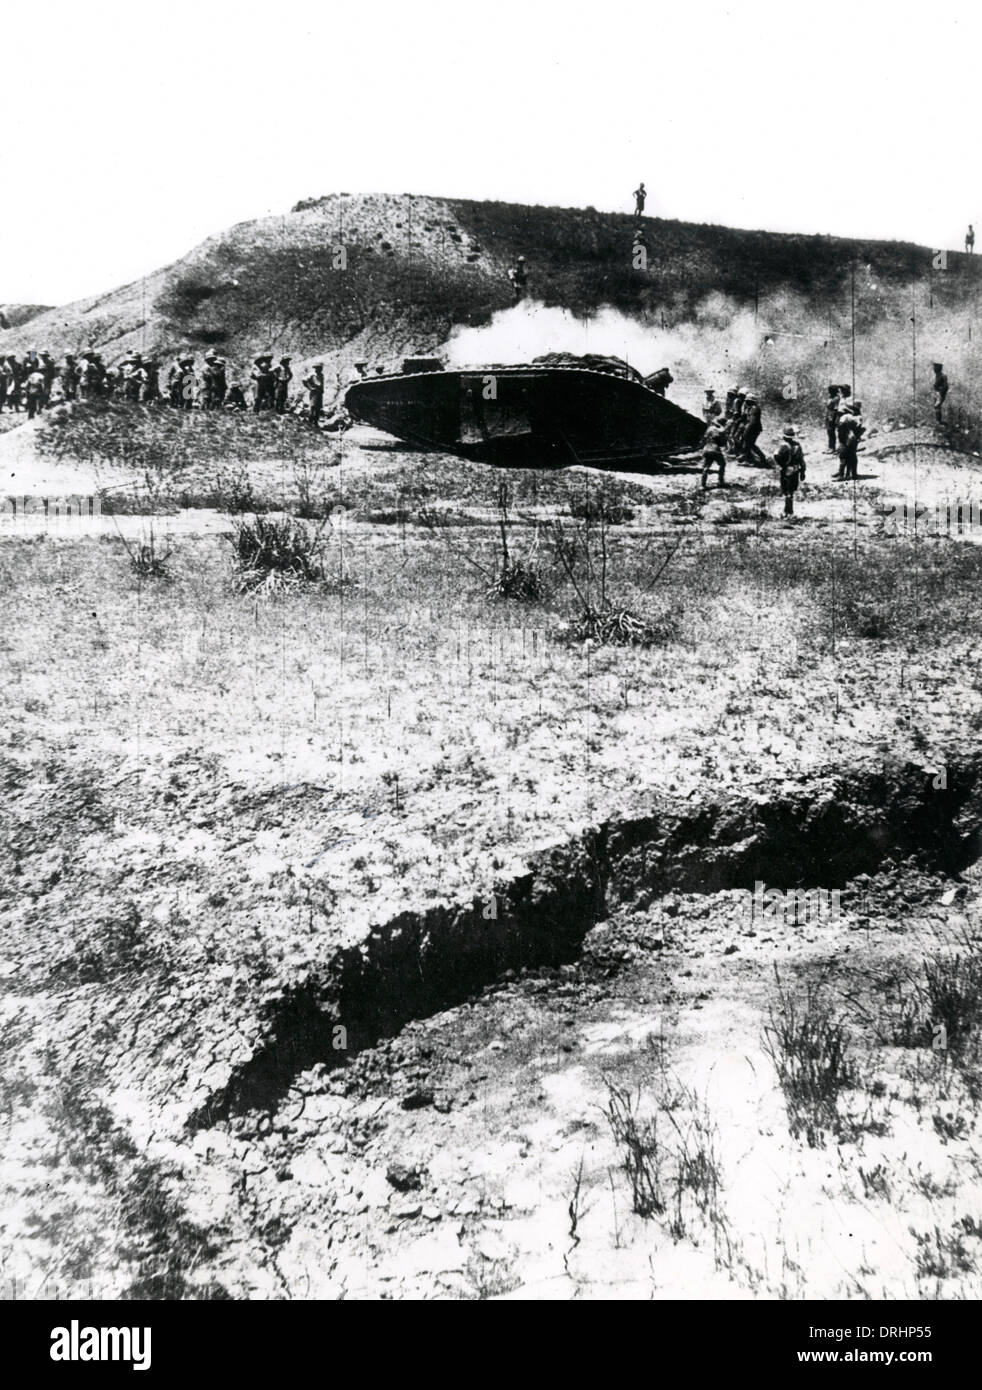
(130, 132)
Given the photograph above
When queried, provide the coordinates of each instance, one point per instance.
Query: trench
(817, 835)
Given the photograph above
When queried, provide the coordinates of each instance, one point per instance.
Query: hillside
(417, 267)
(16, 315)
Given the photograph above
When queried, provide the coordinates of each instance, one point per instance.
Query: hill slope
(379, 275)
(16, 315)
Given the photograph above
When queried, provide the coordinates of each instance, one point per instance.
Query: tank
(554, 411)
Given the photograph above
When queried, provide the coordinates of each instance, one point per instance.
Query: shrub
(808, 1046)
(276, 553)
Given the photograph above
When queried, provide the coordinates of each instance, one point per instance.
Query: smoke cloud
(787, 347)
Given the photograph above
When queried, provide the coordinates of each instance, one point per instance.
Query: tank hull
(529, 416)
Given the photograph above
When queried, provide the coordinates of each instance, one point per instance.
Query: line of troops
(736, 426)
(37, 380)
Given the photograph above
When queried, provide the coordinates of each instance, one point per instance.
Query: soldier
(518, 275)
(262, 377)
(640, 194)
(790, 460)
(111, 381)
(150, 393)
(281, 385)
(208, 401)
(752, 426)
(970, 240)
(188, 386)
(711, 409)
(69, 377)
(14, 393)
(219, 381)
(314, 384)
(735, 432)
(728, 409)
(831, 416)
(235, 399)
(849, 431)
(659, 381)
(173, 382)
(49, 370)
(940, 389)
(132, 378)
(712, 452)
(34, 386)
(86, 377)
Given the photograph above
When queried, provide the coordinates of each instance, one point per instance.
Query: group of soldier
(37, 380)
(735, 427)
(732, 428)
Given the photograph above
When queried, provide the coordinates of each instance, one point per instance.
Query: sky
(132, 132)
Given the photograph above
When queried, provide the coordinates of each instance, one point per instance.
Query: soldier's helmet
(833, 390)
(790, 432)
(710, 391)
(936, 366)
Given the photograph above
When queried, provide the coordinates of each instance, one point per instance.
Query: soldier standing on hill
(281, 386)
(940, 389)
(790, 460)
(970, 240)
(712, 452)
(831, 416)
(314, 384)
(640, 194)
